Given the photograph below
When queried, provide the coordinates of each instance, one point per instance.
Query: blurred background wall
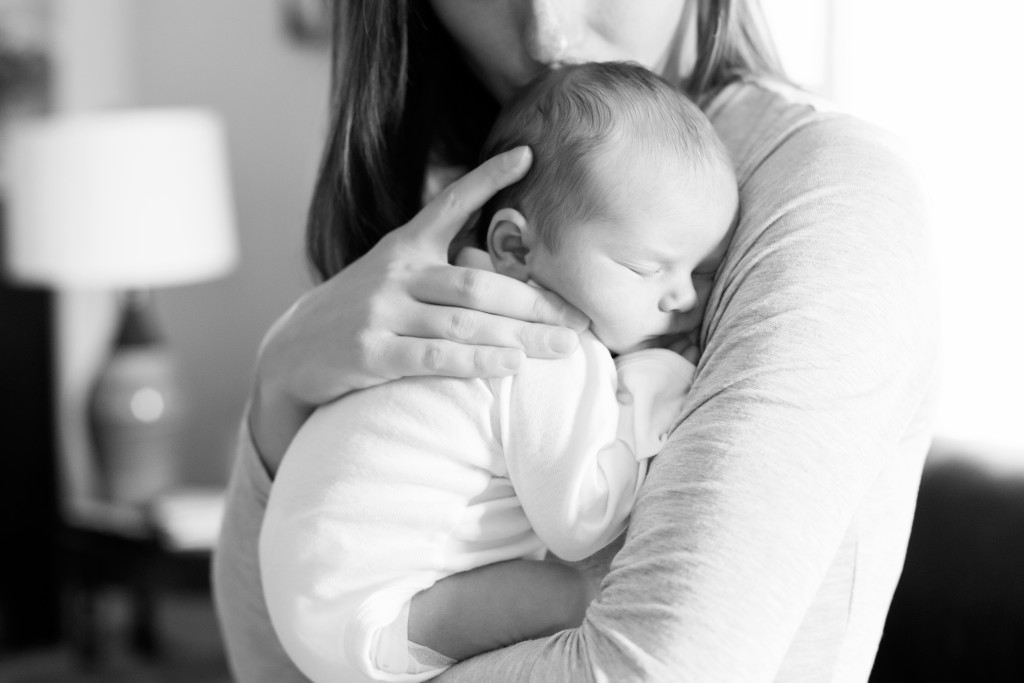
(941, 76)
(236, 57)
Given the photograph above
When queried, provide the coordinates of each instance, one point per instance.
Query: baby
(388, 495)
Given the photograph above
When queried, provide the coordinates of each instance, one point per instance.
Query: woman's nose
(554, 28)
(679, 299)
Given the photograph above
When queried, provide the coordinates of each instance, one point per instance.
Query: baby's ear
(508, 241)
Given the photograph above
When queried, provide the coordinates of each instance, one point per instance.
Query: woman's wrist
(275, 412)
(273, 422)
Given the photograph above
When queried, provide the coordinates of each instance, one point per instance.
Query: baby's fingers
(413, 356)
(691, 353)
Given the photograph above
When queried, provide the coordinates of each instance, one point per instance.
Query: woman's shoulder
(815, 181)
(760, 119)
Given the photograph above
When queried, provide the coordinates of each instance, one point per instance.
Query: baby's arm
(577, 436)
(497, 605)
(351, 532)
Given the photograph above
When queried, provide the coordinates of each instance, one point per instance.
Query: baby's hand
(686, 346)
(691, 353)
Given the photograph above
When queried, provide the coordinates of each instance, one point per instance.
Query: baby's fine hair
(568, 116)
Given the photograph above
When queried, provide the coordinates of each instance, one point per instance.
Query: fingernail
(517, 157)
(512, 359)
(576, 320)
(562, 341)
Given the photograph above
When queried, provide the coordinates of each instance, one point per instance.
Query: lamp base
(136, 411)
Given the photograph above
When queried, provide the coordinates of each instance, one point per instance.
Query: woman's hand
(400, 311)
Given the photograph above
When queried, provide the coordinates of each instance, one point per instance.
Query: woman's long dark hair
(402, 97)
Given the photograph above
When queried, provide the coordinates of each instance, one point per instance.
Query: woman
(771, 531)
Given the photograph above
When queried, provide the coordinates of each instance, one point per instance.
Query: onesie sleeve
(357, 519)
(576, 457)
(819, 358)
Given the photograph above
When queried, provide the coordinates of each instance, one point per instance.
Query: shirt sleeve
(819, 353)
(576, 457)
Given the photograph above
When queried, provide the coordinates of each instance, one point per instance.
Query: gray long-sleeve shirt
(770, 533)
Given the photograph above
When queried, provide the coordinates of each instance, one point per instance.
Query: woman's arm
(401, 310)
(498, 605)
(801, 440)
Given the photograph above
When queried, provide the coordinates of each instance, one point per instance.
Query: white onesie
(388, 490)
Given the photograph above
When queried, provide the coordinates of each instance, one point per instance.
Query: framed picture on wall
(307, 21)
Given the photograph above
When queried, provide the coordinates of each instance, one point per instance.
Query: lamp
(124, 200)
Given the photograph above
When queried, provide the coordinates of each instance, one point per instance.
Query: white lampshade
(119, 199)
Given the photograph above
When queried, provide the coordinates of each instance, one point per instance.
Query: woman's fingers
(499, 295)
(475, 328)
(411, 356)
(440, 220)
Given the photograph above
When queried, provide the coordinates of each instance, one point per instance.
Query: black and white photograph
(651, 341)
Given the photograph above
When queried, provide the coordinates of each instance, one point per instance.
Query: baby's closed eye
(643, 270)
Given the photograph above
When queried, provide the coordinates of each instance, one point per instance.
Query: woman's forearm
(275, 413)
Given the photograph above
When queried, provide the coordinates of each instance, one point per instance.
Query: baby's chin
(660, 341)
(620, 341)
(619, 347)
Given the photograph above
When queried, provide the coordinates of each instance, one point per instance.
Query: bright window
(945, 77)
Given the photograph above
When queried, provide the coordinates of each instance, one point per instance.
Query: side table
(108, 546)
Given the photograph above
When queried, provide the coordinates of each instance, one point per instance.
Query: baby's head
(627, 208)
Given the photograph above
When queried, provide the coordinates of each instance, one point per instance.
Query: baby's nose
(679, 299)
(554, 28)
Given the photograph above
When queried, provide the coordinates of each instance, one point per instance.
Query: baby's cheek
(624, 338)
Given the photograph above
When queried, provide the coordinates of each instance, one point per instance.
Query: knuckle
(365, 343)
(370, 352)
(451, 199)
(540, 308)
(469, 285)
(396, 270)
(529, 336)
(433, 356)
(369, 346)
(481, 362)
(460, 325)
